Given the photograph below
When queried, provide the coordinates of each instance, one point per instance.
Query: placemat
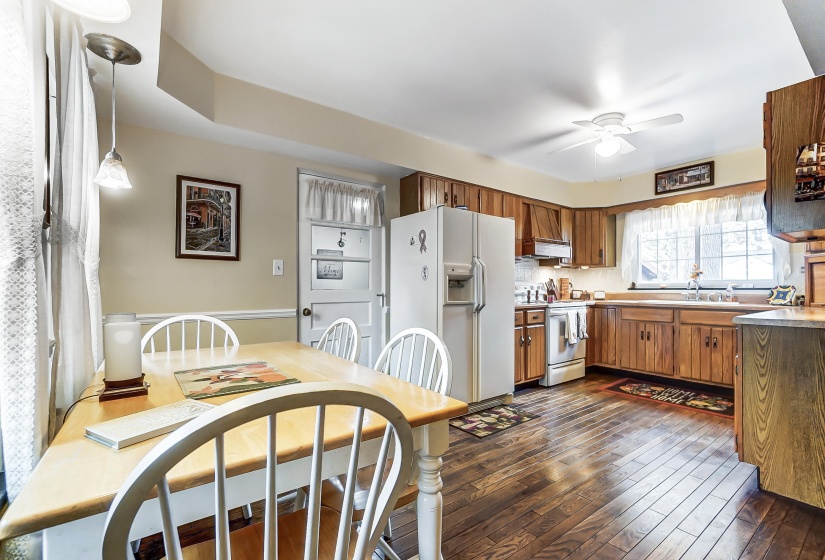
(203, 383)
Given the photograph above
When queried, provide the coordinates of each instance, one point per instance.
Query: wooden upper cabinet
(465, 195)
(566, 225)
(794, 117)
(492, 202)
(594, 237)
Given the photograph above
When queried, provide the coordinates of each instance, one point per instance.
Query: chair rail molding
(154, 318)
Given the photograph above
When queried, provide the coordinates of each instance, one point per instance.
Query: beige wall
(139, 272)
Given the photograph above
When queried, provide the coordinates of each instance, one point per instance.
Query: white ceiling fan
(610, 128)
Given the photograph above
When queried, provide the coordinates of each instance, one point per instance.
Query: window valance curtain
(333, 201)
(697, 213)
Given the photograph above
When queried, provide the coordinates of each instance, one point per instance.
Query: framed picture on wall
(689, 177)
(208, 223)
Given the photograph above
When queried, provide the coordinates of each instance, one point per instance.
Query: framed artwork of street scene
(690, 177)
(208, 219)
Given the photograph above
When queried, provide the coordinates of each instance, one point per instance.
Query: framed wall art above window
(689, 177)
(208, 223)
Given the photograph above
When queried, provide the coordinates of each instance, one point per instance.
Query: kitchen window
(726, 236)
(737, 252)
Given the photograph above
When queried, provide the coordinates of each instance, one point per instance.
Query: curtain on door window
(24, 307)
(697, 213)
(333, 201)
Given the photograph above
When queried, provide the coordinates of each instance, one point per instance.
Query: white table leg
(430, 504)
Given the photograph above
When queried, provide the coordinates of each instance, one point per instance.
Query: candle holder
(112, 390)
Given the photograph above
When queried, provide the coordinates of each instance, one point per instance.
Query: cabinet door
(632, 345)
(536, 365)
(662, 348)
(690, 343)
(723, 345)
(519, 342)
(492, 203)
(595, 333)
(566, 226)
(512, 208)
(465, 195)
(434, 191)
(608, 344)
(589, 237)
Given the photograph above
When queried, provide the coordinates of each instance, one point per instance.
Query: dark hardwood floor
(604, 476)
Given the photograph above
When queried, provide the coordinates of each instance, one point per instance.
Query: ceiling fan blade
(653, 123)
(574, 146)
(625, 146)
(589, 125)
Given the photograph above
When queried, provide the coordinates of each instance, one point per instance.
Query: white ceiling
(506, 79)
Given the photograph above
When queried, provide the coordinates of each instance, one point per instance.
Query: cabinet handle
(714, 342)
(455, 200)
(642, 335)
(601, 254)
(707, 342)
(446, 197)
(648, 335)
(521, 341)
(535, 316)
(529, 340)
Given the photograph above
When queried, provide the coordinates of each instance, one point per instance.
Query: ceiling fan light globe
(607, 147)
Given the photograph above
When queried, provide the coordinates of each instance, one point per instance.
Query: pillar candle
(121, 347)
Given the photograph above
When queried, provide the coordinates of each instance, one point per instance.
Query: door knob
(306, 312)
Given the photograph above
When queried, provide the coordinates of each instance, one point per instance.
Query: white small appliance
(565, 360)
(451, 271)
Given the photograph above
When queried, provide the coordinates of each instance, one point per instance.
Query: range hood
(543, 237)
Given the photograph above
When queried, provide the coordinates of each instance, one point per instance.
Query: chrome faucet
(693, 283)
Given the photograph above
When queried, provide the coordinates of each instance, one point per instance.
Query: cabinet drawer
(519, 318)
(535, 317)
(647, 314)
(715, 318)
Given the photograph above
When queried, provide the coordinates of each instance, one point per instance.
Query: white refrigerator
(451, 271)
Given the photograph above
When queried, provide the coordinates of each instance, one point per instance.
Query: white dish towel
(583, 324)
(572, 327)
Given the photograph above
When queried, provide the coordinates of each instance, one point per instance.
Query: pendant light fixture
(112, 173)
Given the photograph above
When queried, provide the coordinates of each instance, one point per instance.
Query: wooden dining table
(75, 482)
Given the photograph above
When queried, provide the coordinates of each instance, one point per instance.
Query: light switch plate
(278, 267)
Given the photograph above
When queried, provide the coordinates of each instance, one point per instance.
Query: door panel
(663, 348)
(492, 203)
(705, 353)
(608, 343)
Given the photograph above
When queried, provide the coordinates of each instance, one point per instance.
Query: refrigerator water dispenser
(460, 284)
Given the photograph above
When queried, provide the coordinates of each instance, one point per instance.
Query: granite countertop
(804, 317)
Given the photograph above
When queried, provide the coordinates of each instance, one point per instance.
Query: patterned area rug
(706, 402)
(492, 421)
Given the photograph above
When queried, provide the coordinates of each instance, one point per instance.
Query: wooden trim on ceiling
(742, 188)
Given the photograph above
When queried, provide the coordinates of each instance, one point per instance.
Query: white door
(340, 274)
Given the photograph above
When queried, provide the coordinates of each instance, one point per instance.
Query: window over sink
(733, 251)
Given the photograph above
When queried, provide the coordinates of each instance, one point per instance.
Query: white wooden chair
(195, 321)
(315, 532)
(343, 339)
(417, 356)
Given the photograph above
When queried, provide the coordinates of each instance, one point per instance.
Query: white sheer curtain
(333, 201)
(75, 231)
(697, 213)
(24, 306)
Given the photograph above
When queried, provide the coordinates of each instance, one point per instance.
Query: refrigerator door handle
(483, 290)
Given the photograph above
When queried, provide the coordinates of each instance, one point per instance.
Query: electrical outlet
(278, 267)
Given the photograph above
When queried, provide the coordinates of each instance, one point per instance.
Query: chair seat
(332, 492)
(248, 543)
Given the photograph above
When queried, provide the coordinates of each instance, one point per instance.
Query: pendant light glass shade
(112, 173)
(607, 147)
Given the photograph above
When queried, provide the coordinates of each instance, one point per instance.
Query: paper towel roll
(121, 347)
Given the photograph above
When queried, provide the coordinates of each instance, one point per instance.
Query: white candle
(121, 347)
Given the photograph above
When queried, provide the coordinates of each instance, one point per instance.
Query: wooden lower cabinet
(707, 353)
(601, 344)
(519, 346)
(646, 347)
(530, 346)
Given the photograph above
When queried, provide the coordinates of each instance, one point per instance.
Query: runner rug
(492, 421)
(660, 392)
